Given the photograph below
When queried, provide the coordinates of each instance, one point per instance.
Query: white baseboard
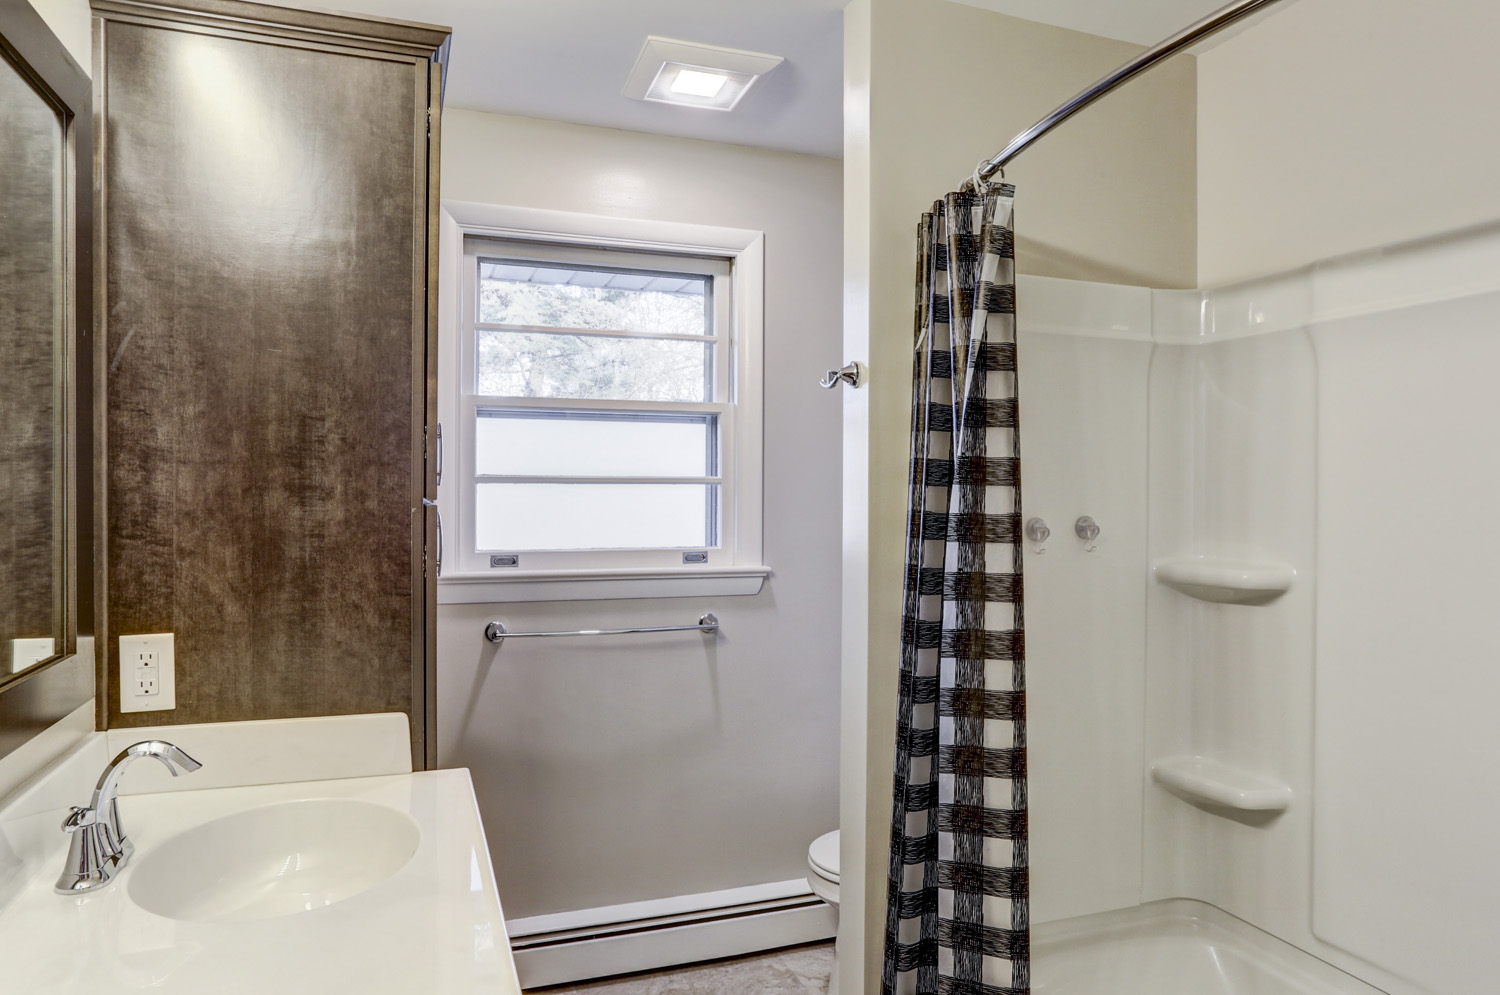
(647, 936)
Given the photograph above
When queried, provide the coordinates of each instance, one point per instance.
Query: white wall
(931, 88)
(1338, 125)
(615, 771)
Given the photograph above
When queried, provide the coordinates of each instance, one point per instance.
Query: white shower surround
(1179, 947)
(1309, 419)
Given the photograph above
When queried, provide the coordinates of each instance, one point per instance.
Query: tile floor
(794, 971)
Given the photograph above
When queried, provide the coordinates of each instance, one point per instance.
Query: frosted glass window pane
(515, 292)
(539, 364)
(585, 444)
(592, 516)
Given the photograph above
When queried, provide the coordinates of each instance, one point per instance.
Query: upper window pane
(551, 295)
(602, 367)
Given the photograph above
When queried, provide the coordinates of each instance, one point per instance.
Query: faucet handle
(93, 854)
(79, 817)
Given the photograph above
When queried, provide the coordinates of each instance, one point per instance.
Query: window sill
(491, 587)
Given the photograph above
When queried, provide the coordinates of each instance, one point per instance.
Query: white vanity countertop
(433, 928)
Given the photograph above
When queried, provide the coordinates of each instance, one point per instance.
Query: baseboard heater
(645, 936)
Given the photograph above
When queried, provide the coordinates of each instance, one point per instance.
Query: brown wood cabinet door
(265, 244)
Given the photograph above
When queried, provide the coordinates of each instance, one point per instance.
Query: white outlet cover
(134, 650)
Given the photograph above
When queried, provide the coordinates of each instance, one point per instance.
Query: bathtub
(1176, 947)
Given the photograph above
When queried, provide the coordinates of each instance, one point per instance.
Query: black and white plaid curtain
(956, 918)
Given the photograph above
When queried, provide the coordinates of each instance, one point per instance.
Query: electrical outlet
(145, 677)
(147, 673)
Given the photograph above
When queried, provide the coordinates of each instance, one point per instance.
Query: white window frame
(736, 565)
(720, 404)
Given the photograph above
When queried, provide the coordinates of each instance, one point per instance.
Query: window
(598, 418)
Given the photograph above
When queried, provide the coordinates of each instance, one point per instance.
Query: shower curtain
(956, 916)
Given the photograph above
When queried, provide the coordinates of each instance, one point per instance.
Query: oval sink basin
(274, 861)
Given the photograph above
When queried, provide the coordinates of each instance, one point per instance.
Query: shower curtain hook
(980, 183)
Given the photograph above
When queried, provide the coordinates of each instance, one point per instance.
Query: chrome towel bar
(496, 632)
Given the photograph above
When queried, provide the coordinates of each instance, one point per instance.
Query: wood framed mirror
(46, 166)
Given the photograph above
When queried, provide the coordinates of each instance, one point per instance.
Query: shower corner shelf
(1226, 582)
(1202, 780)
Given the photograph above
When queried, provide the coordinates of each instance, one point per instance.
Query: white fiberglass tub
(1177, 947)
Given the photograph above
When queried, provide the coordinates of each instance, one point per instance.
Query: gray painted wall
(622, 770)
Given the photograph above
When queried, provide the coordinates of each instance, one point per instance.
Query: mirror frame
(41, 695)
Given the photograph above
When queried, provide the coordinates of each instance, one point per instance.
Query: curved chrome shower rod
(1187, 37)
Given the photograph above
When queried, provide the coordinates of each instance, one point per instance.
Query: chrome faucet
(99, 847)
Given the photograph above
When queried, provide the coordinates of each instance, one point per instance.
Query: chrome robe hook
(854, 374)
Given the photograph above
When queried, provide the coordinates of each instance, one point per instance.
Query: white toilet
(823, 878)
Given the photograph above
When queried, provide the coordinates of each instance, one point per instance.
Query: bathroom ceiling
(568, 59)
